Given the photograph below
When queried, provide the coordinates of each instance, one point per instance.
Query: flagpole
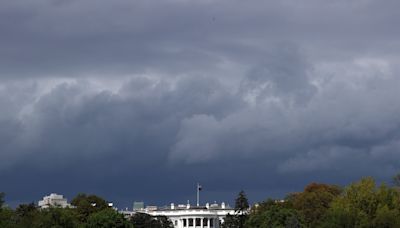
(198, 194)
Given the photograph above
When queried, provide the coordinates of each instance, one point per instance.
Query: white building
(54, 200)
(188, 216)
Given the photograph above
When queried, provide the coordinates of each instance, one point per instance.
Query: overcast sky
(139, 100)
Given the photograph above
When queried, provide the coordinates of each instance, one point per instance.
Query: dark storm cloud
(123, 98)
(78, 38)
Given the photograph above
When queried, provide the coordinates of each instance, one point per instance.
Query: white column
(201, 222)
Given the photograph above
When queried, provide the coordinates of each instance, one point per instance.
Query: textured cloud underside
(276, 93)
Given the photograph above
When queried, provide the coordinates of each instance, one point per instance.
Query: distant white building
(188, 216)
(54, 200)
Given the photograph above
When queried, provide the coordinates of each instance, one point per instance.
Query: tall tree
(1, 199)
(231, 221)
(273, 213)
(88, 204)
(241, 212)
(363, 204)
(142, 220)
(241, 208)
(396, 180)
(241, 202)
(7, 218)
(107, 218)
(164, 222)
(6, 214)
(315, 201)
(26, 215)
(24, 210)
(56, 217)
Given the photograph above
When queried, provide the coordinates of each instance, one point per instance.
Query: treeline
(363, 204)
(90, 211)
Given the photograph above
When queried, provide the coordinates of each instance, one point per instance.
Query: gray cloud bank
(139, 99)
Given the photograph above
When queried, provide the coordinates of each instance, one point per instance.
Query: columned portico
(193, 222)
(187, 216)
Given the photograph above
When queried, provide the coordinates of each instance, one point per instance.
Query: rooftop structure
(53, 200)
(189, 216)
(186, 215)
(138, 206)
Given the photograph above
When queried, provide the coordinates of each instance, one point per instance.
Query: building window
(184, 222)
(205, 222)
(211, 223)
(198, 222)
(190, 222)
(176, 222)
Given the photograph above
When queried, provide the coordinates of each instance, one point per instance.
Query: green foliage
(386, 218)
(90, 211)
(241, 202)
(7, 218)
(164, 222)
(26, 210)
(396, 180)
(337, 217)
(2, 194)
(142, 220)
(313, 203)
(87, 205)
(273, 214)
(107, 218)
(231, 221)
(241, 210)
(363, 204)
(57, 218)
(26, 215)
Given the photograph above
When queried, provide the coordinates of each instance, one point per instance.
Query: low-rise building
(54, 200)
(188, 216)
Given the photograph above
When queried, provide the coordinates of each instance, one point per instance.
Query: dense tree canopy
(396, 180)
(1, 199)
(241, 202)
(273, 213)
(142, 220)
(241, 210)
(96, 215)
(26, 214)
(88, 204)
(107, 218)
(362, 204)
(231, 221)
(57, 218)
(313, 203)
